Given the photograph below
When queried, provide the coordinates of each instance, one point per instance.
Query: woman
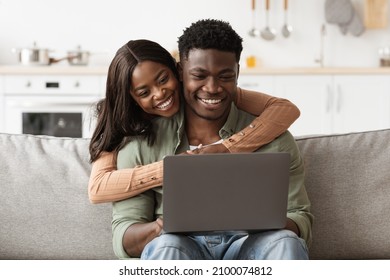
(129, 107)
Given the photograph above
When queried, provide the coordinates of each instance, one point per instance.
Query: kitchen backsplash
(103, 26)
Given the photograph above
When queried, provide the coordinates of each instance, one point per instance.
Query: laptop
(214, 193)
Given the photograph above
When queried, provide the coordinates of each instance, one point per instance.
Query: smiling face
(210, 82)
(155, 89)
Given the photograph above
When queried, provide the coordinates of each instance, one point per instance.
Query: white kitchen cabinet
(261, 83)
(330, 103)
(311, 93)
(2, 114)
(103, 85)
(313, 96)
(361, 103)
(337, 103)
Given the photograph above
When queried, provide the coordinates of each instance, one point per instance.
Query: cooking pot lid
(78, 50)
(35, 48)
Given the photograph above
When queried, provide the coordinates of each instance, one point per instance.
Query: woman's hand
(210, 149)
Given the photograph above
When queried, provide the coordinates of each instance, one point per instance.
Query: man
(209, 64)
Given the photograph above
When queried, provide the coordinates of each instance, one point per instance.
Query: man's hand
(291, 225)
(210, 149)
(138, 235)
(159, 222)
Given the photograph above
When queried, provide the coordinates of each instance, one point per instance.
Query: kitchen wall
(105, 25)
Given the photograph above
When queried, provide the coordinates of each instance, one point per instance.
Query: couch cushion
(348, 183)
(45, 211)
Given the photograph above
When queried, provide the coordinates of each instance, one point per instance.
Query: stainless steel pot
(78, 57)
(33, 56)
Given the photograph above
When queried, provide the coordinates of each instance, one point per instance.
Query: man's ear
(180, 70)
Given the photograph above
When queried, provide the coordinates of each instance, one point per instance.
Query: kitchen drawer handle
(329, 99)
(339, 99)
(28, 84)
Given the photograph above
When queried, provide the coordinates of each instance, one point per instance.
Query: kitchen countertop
(52, 70)
(102, 70)
(316, 71)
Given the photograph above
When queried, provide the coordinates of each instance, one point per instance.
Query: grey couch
(45, 212)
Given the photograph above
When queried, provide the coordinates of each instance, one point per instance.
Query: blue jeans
(269, 245)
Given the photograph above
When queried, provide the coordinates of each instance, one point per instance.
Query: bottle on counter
(384, 56)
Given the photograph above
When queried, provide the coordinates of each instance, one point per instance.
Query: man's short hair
(210, 34)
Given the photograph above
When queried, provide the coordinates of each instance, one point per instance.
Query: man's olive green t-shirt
(171, 139)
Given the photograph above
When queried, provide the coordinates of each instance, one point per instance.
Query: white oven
(60, 106)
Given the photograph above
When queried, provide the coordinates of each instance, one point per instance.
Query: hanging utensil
(286, 29)
(268, 33)
(254, 32)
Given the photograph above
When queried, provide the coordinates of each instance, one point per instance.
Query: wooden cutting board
(375, 13)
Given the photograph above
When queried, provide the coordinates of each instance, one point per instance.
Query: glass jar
(384, 56)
